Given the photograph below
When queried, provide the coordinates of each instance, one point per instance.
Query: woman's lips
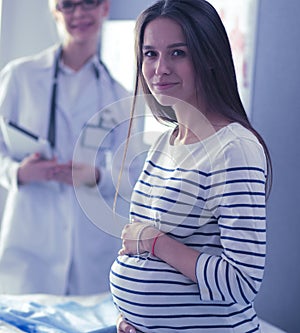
(161, 86)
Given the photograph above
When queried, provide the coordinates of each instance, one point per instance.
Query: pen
(23, 130)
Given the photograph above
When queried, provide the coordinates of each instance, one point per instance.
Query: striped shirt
(210, 196)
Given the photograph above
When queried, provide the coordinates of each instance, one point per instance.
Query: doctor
(48, 243)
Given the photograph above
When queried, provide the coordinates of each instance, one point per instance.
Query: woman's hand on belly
(123, 326)
(138, 238)
(141, 237)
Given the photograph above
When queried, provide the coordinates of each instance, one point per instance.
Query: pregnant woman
(193, 255)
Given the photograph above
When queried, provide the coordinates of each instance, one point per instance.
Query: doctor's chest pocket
(96, 138)
(97, 134)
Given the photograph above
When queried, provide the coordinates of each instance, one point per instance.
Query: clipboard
(21, 142)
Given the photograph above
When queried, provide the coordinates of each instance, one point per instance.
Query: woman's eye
(149, 54)
(178, 53)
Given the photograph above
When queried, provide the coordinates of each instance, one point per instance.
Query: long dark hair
(211, 55)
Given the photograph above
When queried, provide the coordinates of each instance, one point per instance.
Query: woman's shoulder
(162, 137)
(236, 131)
(241, 146)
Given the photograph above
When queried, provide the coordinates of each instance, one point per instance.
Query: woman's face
(167, 66)
(82, 25)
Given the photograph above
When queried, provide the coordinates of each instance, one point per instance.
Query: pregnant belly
(145, 289)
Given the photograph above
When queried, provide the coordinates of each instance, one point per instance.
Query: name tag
(96, 138)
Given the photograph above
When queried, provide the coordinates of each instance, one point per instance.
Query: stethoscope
(52, 118)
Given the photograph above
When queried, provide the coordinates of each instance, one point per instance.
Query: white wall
(128, 9)
(26, 28)
(276, 113)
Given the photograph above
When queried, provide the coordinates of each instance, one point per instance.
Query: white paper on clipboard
(22, 143)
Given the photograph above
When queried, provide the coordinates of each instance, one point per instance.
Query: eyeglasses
(68, 7)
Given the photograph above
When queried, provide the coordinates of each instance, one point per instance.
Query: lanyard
(52, 120)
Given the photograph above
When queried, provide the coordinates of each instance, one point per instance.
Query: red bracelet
(154, 242)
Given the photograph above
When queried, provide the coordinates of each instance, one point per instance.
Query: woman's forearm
(176, 254)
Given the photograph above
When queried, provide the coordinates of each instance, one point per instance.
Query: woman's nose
(162, 66)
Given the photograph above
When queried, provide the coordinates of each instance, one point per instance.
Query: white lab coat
(48, 243)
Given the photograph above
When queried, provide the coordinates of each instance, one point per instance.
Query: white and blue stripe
(211, 197)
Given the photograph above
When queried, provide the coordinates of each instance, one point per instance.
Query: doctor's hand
(34, 169)
(76, 174)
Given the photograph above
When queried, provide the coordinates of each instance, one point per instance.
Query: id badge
(96, 138)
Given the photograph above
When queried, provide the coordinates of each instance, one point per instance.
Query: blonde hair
(52, 4)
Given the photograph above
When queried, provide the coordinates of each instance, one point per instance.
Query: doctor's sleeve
(8, 109)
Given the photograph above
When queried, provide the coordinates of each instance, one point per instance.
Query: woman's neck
(194, 126)
(75, 55)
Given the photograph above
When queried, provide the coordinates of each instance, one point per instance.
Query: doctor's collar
(93, 63)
